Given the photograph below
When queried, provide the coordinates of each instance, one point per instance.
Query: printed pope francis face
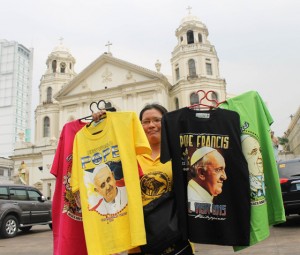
(210, 171)
(105, 184)
(214, 173)
(252, 152)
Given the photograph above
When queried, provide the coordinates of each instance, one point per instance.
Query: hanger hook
(99, 103)
(91, 106)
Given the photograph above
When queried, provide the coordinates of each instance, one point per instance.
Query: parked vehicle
(289, 173)
(22, 207)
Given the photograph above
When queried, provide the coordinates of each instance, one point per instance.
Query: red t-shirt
(68, 233)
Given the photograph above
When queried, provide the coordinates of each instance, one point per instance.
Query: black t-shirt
(188, 135)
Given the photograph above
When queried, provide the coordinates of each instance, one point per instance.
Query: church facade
(66, 96)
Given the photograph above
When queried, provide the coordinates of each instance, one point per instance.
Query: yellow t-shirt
(118, 225)
(156, 179)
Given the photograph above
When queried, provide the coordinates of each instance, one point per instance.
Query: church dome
(60, 60)
(192, 20)
(189, 18)
(61, 48)
(61, 51)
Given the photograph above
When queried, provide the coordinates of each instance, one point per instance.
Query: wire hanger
(98, 106)
(214, 103)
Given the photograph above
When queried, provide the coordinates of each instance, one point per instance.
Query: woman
(157, 178)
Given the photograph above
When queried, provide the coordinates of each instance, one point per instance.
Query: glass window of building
(177, 73)
(192, 67)
(49, 95)
(46, 127)
(194, 98)
(208, 69)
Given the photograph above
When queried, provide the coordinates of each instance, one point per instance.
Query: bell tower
(60, 70)
(195, 64)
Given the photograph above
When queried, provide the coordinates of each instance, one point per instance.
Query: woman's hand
(98, 115)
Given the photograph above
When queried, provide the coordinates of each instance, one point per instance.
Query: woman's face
(151, 122)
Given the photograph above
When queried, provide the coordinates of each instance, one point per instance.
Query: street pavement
(283, 240)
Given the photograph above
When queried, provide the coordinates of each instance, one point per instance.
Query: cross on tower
(61, 40)
(108, 46)
(189, 8)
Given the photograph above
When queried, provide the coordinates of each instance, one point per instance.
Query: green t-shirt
(266, 200)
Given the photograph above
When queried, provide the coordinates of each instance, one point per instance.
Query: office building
(16, 63)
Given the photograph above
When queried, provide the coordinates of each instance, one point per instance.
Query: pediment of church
(108, 72)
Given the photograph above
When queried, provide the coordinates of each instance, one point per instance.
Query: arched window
(194, 98)
(200, 38)
(70, 66)
(177, 73)
(54, 66)
(214, 97)
(62, 67)
(46, 127)
(49, 95)
(176, 103)
(190, 37)
(192, 67)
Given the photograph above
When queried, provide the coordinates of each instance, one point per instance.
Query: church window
(62, 67)
(49, 95)
(177, 73)
(70, 66)
(46, 127)
(200, 38)
(54, 66)
(181, 38)
(208, 69)
(176, 103)
(192, 67)
(190, 37)
(194, 98)
(214, 98)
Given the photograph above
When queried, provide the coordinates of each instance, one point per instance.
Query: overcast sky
(257, 41)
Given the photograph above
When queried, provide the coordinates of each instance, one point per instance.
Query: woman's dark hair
(157, 107)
